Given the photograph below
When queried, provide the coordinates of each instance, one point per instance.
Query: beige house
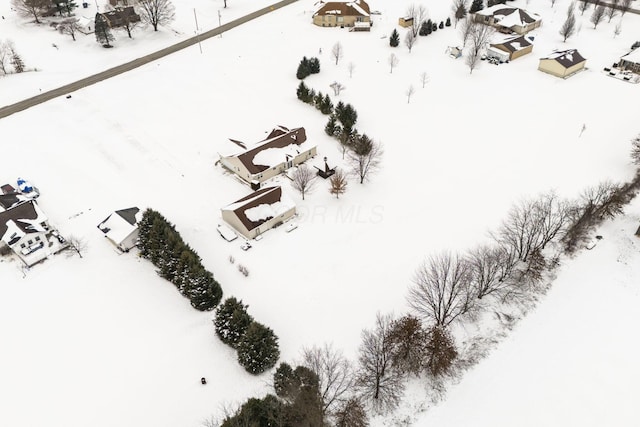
(259, 211)
(507, 19)
(631, 61)
(405, 22)
(563, 63)
(515, 46)
(283, 149)
(341, 13)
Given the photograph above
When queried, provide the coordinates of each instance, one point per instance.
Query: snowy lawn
(103, 341)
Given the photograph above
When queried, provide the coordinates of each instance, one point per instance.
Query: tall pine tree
(476, 5)
(394, 40)
(258, 350)
(103, 30)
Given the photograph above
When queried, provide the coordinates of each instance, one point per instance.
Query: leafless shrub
(392, 61)
(304, 179)
(338, 183)
(232, 259)
(337, 52)
(244, 270)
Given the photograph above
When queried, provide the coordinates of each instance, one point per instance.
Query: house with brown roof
(259, 211)
(507, 19)
(25, 229)
(563, 63)
(631, 61)
(341, 13)
(121, 16)
(515, 46)
(282, 149)
(121, 228)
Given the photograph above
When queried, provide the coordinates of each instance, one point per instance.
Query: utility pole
(197, 29)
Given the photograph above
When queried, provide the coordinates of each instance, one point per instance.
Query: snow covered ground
(103, 341)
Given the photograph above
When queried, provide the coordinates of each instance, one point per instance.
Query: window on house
(37, 238)
(30, 241)
(340, 19)
(22, 245)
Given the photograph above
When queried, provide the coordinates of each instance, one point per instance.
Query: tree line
(177, 262)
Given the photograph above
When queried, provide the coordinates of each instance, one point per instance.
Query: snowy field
(103, 341)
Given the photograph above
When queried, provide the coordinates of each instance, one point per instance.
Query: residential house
(341, 13)
(563, 63)
(507, 19)
(25, 229)
(121, 228)
(515, 46)
(121, 16)
(281, 150)
(259, 211)
(631, 61)
(405, 22)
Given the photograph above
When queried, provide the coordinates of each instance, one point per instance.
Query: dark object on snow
(203, 380)
(85, 5)
(598, 237)
(68, 96)
(327, 172)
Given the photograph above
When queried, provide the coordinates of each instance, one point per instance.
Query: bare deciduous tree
(393, 61)
(459, 9)
(617, 30)
(597, 16)
(465, 30)
(410, 91)
(424, 78)
(380, 385)
(409, 40)
(553, 3)
(156, 12)
(351, 413)
(337, 52)
(128, 23)
(337, 88)
(303, 179)
(351, 66)
(418, 15)
(569, 26)
(70, 27)
(611, 9)
(77, 244)
(583, 5)
(635, 149)
(365, 157)
(5, 55)
(478, 38)
(335, 374)
(624, 6)
(31, 8)
(409, 341)
(441, 352)
(338, 183)
(442, 289)
(490, 267)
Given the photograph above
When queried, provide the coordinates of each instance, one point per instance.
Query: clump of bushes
(159, 242)
(308, 67)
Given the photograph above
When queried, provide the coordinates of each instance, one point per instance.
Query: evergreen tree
(476, 5)
(311, 96)
(70, 6)
(16, 61)
(314, 65)
(441, 26)
(265, 412)
(394, 40)
(304, 69)
(102, 30)
(347, 117)
(285, 382)
(306, 409)
(327, 105)
(204, 291)
(424, 29)
(258, 350)
(429, 26)
(332, 127)
(434, 27)
(232, 321)
(318, 100)
(448, 23)
(302, 92)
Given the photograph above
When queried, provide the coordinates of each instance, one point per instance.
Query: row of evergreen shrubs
(308, 67)
(256, 344)
(309, 96)
(159, 242)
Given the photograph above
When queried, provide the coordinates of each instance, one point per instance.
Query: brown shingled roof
(345, 8)
(508, 43)
(278, 138)
(567, 58)
(264, 196)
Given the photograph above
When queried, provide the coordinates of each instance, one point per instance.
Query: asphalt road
(128, 66)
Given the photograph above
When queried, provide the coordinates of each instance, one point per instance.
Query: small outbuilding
(564, 63)
(405, 22)
(631, 61)
(259, 211)
(121, 228)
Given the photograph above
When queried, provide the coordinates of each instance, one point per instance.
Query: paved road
(71, 87)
